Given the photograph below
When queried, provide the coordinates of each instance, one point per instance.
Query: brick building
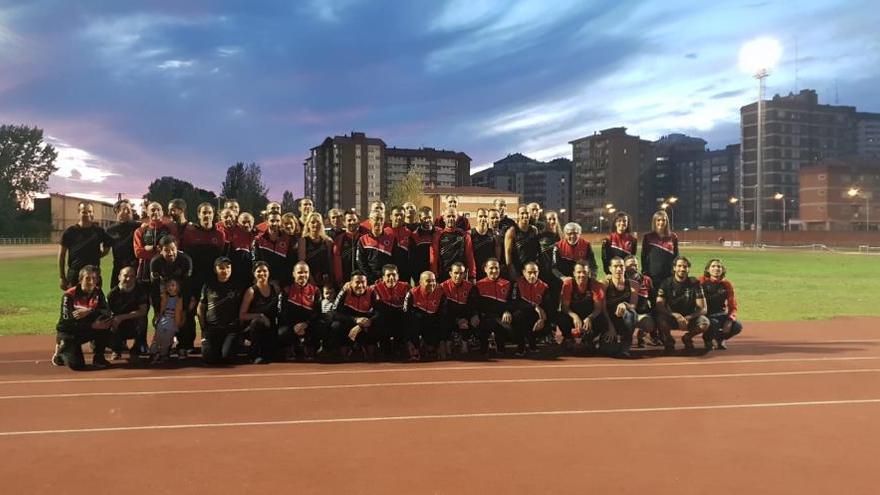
(836, 194)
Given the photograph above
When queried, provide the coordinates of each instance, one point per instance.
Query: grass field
(771, 286)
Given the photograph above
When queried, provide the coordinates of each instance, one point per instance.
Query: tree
(164, 189)
(409, 189)
(244, 183)
(288, 203)
(26, 162)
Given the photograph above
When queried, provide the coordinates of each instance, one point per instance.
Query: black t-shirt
(681, 297)
(221, 302)
(122, 302)
(84, 245)
(122, 235)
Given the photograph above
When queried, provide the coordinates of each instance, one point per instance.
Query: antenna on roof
(795, 64)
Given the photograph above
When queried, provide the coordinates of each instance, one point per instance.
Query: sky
(131, 91)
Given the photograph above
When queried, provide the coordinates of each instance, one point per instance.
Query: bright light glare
(853, 192)
(759, 55)
(778, 196)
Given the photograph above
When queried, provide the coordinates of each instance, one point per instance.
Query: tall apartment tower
(442, 168)
(612, 167)
(548, 184)
(345, 172)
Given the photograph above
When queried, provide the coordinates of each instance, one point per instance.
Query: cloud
(175, 64)
(228, 51)
(77, 164)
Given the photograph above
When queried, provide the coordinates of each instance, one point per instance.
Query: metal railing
(15, 241)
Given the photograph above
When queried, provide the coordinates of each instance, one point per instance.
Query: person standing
(461, 222)
(402, 235)
(82, 244)
(422, 256)
(520, 244)
(177, 221)
(485, 241)
(122, 235)
(453, 245)
(316, 249)
(619, 243)
(344, 246)
(659, 249)
(277, 249)
(375, 249)
(146, 240)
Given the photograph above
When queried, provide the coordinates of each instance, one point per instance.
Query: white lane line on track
(364, 371)
(375, 419)
(297, 388)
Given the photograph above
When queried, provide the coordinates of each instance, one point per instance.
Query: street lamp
(600, 222)
(733, 202)
(855, 192)
(757, 57)
(562, 212)
(781, 197)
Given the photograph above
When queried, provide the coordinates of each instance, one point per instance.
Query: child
(327, 302)
(167, 321)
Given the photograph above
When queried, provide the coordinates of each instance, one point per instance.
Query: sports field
(771, 286)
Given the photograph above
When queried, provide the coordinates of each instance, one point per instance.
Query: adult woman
(259, 311)
(619, 243)
(84, 318)
(290, 225)
(721, 303)
(316, 249)
(659, 249)
(520, 244)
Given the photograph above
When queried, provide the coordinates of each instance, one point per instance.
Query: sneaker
(707, 342)
(721, 344)
(688, 342)
(669, 348)
(115, 355)
(57, 360)
(182, 354)
(260, 360)
(100, 362)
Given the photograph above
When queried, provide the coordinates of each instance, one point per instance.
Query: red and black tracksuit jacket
(149, 234)
(453, 245)
(373, 253)
(350, 306)
(459, 299)
(422, 256)
(619, 245)
(565, 255)
(74, 298)
(388, 301)
(299, 303)
(343, 256)
(203, 246)
(279, 253)
(582, 299)
(419, 301)
(646, 288)
(492, 297)
(400, 255)
(239, 248)
(526, 297)
(657, 255)
(720, 298)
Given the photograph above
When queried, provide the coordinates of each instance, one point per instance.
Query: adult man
(335, 223)
(344, 245)
(82, 244)
(520, 244)
(128, 303)
(681, 305)
(375, 248)
(232, 204)
(492, 305)
(353, 314)
(300, 328)
(122, 235)
(271, 208)
(529, 303)
(494, 220)
(485, 241)
(422, 256)
(83, 319)
(400, 256)
(570, 249)
(277, 249)
(460, 295)
(461, 222)
(504, 222)
(169, 264)
(453, 245)
(218, 315)
(147, 237)
(644, 306)
(535, 216)
(426, 307)
(177, 217)
(583, 308)
(621, 299)
(390, 322)
(411, 215)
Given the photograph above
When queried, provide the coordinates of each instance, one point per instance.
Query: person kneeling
(681, 305)
(531, 299)
(353, 315)
(218, 315)
(583, 308)
(84, 318)
(426, 307)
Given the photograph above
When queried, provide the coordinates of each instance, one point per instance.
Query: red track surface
(790, 408)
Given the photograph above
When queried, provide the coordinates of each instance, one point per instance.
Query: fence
(16, 241)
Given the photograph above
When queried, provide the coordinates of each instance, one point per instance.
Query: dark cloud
(729, 94)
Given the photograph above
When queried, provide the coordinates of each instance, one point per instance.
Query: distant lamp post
(600, 222)
(781, 197)
(855, 192)
(733, 202)
(758, 57)
(562, 212)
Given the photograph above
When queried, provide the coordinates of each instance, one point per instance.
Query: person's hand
(81, 313)
(353, 333)
(300, 328)
(682, 321)
(621, 310)
(539, 325)
(265, 320)
(588, 325)
(475, 321)
(462, 324)
(114, 323)
(148, 249)
(610, 335)
(565, 278)
(578, 325)
(507, 318)
(362, 322)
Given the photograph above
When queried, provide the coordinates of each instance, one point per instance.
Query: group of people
(400, 283)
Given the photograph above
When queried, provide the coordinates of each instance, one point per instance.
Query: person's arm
(62, 271)
(337, 259)
(701, 305)
(508, 247)
(469, 256)
(301, 250)
(598, 295)
(661, 306)
(675, 244)
(328, 252)
(106, 243)
(554, 263)
(246, 299)
(606, 254)
(434, 251)
(499, 248)
(140, 251)
(591, 259)
(731, 301)
(178, 313)
(203, 303)
(360, 257)
(644, 256)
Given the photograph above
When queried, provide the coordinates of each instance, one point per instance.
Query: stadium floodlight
(781, 197)
(733, 200)
(855, 192)
(758, 57)
(672, 200)
(608, 206)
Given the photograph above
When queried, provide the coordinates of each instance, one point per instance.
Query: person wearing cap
(218, 315)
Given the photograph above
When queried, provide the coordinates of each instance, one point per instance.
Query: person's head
(177, 209)
(289, 224)
(500, 205)
(617, 266)
(127, 278)
(428, 281)
(223, 268)
(172, 287)
(227, 216)
(457, 272)
(314, 224)
(621, 223)
(168, 248)
(328, 292)
(581, 271)
(273, 207)
(390, 275)
(122, 208)
(449, 217)
(452, 201)
(572, 232)
(377, 223)
(534, 211)
(494, 218)
(358, 283)
(154, 211)
(398, 216)
(377, 206)
(206, 215)
(631, 263)
(523, 216)
(551, 219)
(351, 221)
(334, 218)
(273, 220)
(410, 212)
(660, 223)
(681, 267)
(246, 221)
(88, 278)
(261, 272)
(715, 269)
(492, 268)
(233, 205)
(482, 218)
(426, 217)
(530, 272)
(306, 207)
(301, 273)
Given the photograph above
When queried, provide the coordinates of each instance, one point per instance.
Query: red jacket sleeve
(138, 240)
(469, 255)
(434, 251)
(731, 300)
